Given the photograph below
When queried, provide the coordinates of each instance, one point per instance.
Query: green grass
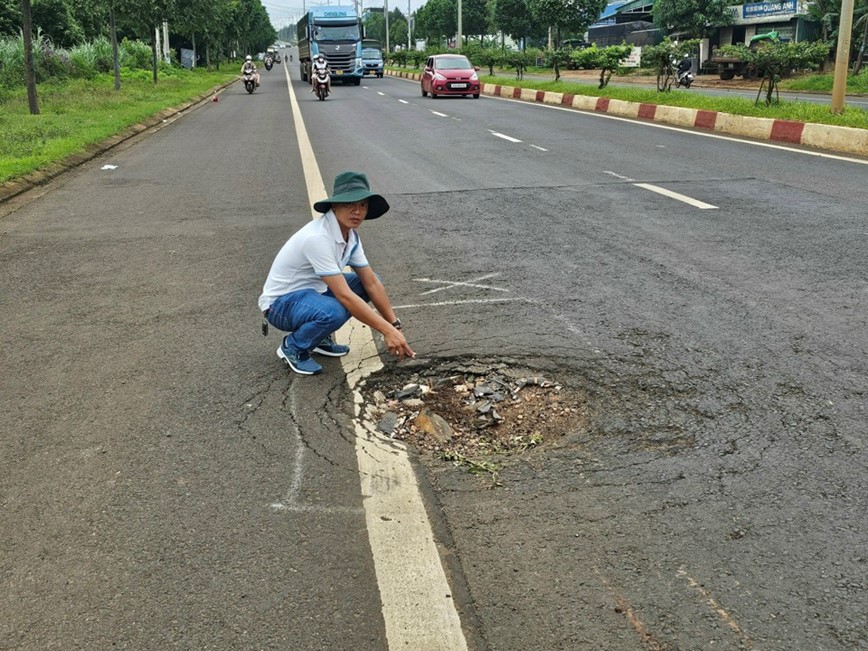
(77, 113)
(823, 83)
(797, 111)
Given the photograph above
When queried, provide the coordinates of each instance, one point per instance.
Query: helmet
(320, 57)
(248, 58)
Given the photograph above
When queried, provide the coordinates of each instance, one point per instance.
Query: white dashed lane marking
(696, 203)
(504, 136)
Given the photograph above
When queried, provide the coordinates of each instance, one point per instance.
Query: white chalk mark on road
(450, 284)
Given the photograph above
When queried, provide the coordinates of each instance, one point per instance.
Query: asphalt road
(716, 500)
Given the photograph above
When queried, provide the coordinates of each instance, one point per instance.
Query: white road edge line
(696, 203)
(418, 608)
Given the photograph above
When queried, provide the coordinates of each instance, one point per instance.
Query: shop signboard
(774, 8)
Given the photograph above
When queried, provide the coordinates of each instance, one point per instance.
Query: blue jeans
(309, 316)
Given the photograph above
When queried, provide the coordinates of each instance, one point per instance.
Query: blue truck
(336, 33)
(372, 57)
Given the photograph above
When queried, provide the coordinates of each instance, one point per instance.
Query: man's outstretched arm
(395, 340)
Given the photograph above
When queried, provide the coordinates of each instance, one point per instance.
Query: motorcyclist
(683, 68)
(320, 63)
(249, 66)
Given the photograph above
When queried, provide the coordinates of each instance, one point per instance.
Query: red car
(449, 74)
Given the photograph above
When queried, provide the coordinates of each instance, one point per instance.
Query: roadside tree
(697, 18)
(607, 59)
(567, 15)
(519, 61)
(29, 71)
(143, 18)
(860, 21)
(56, 20)
(436, 20)
(416, 57)
(375, 27)
(202, 22)
(774, 59)
(513, 17)
(489, 57)
(10, 18)
(474, 19)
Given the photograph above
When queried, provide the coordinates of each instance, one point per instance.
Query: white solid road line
(312, 177)
(417, 603)
(674, 195)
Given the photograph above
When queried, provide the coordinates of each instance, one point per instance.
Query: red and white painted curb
(820, 136)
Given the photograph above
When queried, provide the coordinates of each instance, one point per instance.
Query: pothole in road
(473, 413)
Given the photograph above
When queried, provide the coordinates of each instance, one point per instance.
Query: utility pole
(386, 16)
(166, 56)
(29, 68)
(842, 57)
(408, 26)
(460, 38)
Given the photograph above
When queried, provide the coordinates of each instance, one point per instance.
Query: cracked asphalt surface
(167, 482)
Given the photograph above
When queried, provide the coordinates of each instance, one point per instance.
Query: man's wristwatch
(397, 323)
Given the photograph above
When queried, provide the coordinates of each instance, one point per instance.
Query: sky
(287, 12)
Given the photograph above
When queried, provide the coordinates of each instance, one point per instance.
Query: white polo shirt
(316, 250)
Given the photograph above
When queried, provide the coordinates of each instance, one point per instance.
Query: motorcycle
(683, 77)
(269, 63)
(321, 78)
(249, 81)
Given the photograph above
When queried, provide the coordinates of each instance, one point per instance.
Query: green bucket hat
(351, 187)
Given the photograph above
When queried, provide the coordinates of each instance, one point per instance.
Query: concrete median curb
(847, 140)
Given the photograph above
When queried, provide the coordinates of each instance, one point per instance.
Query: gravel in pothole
(473, 411)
